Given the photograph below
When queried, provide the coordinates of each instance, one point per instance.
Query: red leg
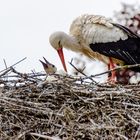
(111, 65)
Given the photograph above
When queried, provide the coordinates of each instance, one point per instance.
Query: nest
(67, 108)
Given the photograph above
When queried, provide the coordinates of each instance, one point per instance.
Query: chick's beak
(45, 65)
(61, 55)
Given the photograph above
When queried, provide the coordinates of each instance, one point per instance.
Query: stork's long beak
(61, 55)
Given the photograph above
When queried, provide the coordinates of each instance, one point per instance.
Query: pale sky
(25, 26)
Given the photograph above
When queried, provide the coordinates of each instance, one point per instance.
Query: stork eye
(53, 66)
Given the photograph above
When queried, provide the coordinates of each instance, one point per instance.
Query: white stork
(99, 38)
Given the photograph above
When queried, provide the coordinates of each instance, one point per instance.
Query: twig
(137, 132)
(117, 68)
(4, 73)
(129, 104)
(122, 136)
(135, 121)
(45, 136)
(76, 68)
(14, 64)
(5, 63)
(21, 134)
(81, 71)
(23, 75)
(30, 75)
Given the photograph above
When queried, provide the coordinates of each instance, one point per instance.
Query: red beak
(61, 55)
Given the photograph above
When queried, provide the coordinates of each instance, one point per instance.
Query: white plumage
(95, 29)
(87, 29)
(99, 38)
(135, 79)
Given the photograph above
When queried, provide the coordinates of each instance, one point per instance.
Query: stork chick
(51, 70)
(48, 67)
(99, 38)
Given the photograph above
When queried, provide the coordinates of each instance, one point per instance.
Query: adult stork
(99, 38)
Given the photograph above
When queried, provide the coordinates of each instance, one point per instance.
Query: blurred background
(25, 27)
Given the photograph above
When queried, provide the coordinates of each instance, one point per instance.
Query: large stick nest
(67, 108)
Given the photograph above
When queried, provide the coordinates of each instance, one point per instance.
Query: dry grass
(68, 109)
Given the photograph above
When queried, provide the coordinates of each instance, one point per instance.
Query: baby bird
(51, 72)
(48, 67)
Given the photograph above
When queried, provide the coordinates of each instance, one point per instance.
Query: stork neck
(70, 42)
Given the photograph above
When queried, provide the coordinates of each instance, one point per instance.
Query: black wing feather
(128, 31)
(126, 50)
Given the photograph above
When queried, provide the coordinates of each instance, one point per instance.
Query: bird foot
(111, 80)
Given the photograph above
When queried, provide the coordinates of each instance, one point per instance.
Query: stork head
(57, 41)
(48, 67)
